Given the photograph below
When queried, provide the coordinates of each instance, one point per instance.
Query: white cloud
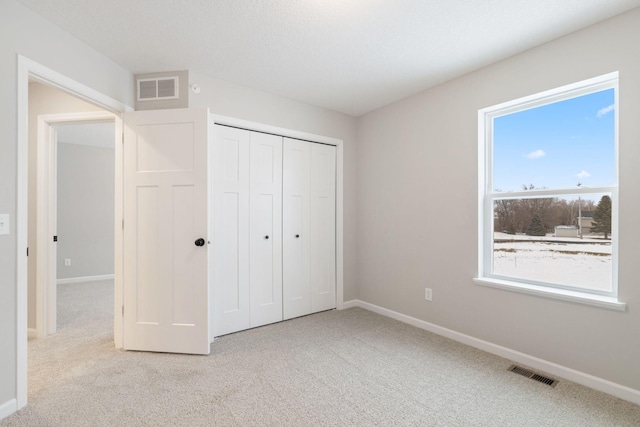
(583, 174)
(536, 154)
(605, 110)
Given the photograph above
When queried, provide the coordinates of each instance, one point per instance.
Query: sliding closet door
(322, 227)
(230, 224)
(295, 219)
(265, 231)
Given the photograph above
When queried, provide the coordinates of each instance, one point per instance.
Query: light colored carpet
(340, 368)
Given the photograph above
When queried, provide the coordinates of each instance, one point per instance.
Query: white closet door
(230, 237)
(265, 229)
(296, 288)
(322, 224)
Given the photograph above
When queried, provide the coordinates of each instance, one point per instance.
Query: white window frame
(487, 196)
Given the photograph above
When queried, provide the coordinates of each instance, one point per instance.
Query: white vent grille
(158, 88)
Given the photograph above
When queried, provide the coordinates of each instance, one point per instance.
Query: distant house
(586, 221)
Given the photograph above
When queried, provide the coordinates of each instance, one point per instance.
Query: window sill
(610, 303)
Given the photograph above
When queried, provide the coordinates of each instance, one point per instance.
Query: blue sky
(557, 145)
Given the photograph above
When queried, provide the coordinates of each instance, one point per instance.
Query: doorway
(73, 151)
(30, 71)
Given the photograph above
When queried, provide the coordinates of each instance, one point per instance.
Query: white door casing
(165, 213)
(46, 226)
(46, 210)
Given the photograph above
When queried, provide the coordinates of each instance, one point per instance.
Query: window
(548, 193)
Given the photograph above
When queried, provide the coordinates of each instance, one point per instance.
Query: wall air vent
(532, 375)
(160, 88)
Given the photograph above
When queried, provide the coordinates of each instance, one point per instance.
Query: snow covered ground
(585, 263)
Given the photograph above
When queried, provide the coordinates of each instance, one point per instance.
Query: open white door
(165, 231)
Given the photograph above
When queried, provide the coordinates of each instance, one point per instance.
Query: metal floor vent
(532, 375)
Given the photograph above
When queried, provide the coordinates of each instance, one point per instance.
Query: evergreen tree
(602, 217)
(536, 227)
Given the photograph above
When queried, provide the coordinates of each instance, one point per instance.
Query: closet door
(296, 289)
(230, 225)
(265, 230)
(322, 227)
(309, 227)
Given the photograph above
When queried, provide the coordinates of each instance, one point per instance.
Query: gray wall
(417, 208)
(42, 100)
(86, 197)
(24, 32)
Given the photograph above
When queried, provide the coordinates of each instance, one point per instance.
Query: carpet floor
(342, 368)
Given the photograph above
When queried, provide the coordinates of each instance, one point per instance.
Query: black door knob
(200, 242)
(266, 237)
(297, 236)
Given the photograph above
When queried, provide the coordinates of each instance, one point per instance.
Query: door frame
(28, 69)
(306, 136)
(46, 211)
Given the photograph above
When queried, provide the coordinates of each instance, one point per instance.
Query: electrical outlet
(4, 223)
(428, 294)
(67, 262)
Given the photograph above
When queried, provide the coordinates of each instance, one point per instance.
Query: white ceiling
(351, 56)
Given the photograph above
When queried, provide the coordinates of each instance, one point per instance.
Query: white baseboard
(350, 304)
(32, 333)
(8, 408)
(596, 383)
(84, 279)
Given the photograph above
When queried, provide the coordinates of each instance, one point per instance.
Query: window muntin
(542, 149)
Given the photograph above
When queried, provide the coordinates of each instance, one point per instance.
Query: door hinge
(55, 238)
(123, 138)
(123, 311)
(27, 250)
(123, 224)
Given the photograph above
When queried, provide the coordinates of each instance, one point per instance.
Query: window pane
(563, 241)
(559, 145)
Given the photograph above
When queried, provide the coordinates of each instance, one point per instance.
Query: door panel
(184, 263)
(296, 238)
(148, 245)
(165, 211)
(230, 237)
(323, 227)
(265, 229)
(309, 224)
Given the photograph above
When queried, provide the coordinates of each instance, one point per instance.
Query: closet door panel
(230, 225)
(322, 219)
(265, 229)
(296, 238)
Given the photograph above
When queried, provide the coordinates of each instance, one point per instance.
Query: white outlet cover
(4, 224)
